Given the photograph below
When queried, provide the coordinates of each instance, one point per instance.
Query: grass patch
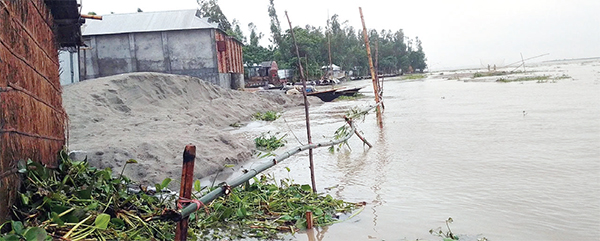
(526, 78)
(487, 74)
(414, 76)
(356, 96)
(267, 116)
(563, 76)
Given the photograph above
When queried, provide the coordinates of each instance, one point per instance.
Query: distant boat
(325, 95)
(348, 92)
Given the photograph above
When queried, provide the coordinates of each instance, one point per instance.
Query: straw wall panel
(32, 120)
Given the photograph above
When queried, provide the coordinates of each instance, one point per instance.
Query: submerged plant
(449, 235)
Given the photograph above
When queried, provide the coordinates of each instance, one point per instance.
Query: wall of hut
(230, 59)
(185, 52)
(32, 120)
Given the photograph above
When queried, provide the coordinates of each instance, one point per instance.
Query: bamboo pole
(187, 179)
(306, 113)
(373, 76)
(192, 207)
(96, 17)
(523, 63)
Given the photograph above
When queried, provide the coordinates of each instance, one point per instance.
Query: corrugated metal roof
(146, 22)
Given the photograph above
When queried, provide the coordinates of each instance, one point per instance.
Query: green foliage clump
(76, 201)
(486, 74)
(526, 78)
(268, 142)
(356, 96)
(267, 116)
(264, 210)
(414, 76)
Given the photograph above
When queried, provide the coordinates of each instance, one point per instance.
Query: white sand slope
(150, 117)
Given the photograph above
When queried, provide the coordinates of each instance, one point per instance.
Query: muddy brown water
(507, 161)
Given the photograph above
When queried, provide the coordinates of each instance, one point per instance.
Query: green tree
(236, 31)
(253, 52)
(139, 10)
(417, 56)
(275, 25)
(210, 9)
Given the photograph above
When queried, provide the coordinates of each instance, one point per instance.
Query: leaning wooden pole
(373, 76)
(310, 151)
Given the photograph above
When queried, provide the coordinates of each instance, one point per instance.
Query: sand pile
(150, 117)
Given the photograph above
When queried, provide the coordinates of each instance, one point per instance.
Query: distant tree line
(396, 52)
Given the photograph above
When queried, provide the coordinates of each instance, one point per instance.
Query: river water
(507, 161)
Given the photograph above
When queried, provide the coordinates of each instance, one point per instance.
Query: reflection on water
(510, 161)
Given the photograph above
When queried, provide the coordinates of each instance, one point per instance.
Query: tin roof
(146, 22)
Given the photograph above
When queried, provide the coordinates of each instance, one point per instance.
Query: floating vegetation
(486, 74)
(563, 76)
(414, 76)
(268, 142)
(265, 210)
(76, 202)
(79, 202)
(538, 78)
(449, 235)
(267, 116)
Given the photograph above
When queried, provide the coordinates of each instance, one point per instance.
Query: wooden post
(310, 151)
(187, 180)
(309, 220)
(373, 76)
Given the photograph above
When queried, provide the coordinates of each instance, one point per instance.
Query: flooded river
(507, 161)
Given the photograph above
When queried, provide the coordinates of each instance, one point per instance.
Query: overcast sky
(455, 33)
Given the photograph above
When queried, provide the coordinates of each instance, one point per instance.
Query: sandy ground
(150, 117)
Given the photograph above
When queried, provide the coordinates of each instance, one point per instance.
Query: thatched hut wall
(32, 119)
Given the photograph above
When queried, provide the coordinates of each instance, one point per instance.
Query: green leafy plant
(267, 116)
(76, 202)
(339, 134)
(262, 209)
(268, 142)
(19, 232)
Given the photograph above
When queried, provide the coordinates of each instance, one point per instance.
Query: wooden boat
(325, 95)
(348, 92)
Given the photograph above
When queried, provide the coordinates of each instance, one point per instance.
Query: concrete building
(175, 42)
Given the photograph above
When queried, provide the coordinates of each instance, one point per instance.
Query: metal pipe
(192, 207)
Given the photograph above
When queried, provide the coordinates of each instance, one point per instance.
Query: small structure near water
(174, 42)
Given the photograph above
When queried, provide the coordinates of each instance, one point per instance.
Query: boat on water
(325, 95)
(348, 91)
